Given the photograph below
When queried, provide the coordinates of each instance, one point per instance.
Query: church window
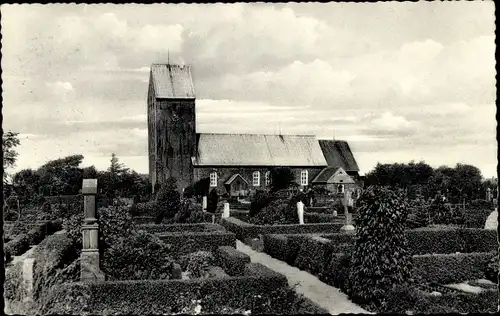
(256, 179)
(304, 177)
(213, 179)
(268, 179)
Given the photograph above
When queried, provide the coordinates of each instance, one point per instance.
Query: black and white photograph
(249, 158)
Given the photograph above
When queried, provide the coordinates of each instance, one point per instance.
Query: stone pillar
(348, 216)
(89, 258)
(226, 212)
(488, 195)
(204, 204)
(300, 212)
(28, 279)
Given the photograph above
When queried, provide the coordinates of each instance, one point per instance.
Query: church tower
(171, 124)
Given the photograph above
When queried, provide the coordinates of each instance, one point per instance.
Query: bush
(212, 200)
(260, 200)
(191, 213)
(52, 254)
(197, 263)
(418, 214)
(491, 271)
(140, 256)
(336, 272)
(442, 213)
(278, 211)
(168, 199)
(115, 222)
(450, 268)
(281, 178)
(18, 245)
(231, 260)
(381, 258)
(313, 255)
(481, 205)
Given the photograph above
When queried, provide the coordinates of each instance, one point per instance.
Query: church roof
(259, 150)
(172, 81)
(233, 177)
(325, 175)
(339, 154)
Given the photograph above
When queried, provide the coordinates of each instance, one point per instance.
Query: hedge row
(170, 296)
(245, 230)
(183, 243)
(319, 257)
(231, 260)
(451, 268)
(166, 228)
(402, 300)
(21, 243)
(52, 254)
(440, 241)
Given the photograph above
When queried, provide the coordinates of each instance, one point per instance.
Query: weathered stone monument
(226, 212)
(204, 203)
(28, 264)
(300, 212)
(89, 258)
(347, 202)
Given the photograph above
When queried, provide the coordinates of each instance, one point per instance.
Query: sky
(399, 81)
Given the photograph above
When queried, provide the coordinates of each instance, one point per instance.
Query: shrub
(278, 211)
(418, 214)
(442, 213)
(481, 205)
(168, 199)
(190, 213)
(336, 272)
(491, 271)
(18, 245)
(231, 260)
(313, 255)
(197, 264)
(381, 258)
(281, 178)
(140, 256)
(144, 209)
(52, 254)
(260, 200)
(450, 268)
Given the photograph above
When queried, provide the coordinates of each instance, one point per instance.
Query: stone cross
(226, 212)
(89, 257)
(300, 212)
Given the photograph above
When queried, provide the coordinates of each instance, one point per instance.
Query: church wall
(224, 173)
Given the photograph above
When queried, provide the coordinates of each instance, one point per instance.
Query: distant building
(235, 163)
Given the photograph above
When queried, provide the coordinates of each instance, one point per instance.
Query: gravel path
(324, 295)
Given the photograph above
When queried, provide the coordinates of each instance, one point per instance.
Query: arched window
(340, 188)
(304, 177)
(268, 178)
(256, 178)
(213, 179)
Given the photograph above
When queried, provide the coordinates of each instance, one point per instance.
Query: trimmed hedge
(245, 230)
(21, 243)
(284, 247)
(438, 240)
(52, 254)
(445, 241)
(165, 228)
(406, 299)
(450, 268)
(231, 260)
(183, 243)
(314, 254)
(165, 296)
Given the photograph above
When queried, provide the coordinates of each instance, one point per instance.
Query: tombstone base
(335, 213)
(89, 266)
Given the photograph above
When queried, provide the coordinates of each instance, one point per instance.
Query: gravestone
(226, 212)
(492, 220)
(300, 212)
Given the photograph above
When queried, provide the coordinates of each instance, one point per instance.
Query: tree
(281, 178)
(116, 173)
(10, 141)
(380, 259)
(61, 176)
(168, 200)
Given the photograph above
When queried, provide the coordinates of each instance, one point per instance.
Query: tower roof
(172, 81)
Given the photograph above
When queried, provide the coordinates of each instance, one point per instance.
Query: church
(236, 164)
